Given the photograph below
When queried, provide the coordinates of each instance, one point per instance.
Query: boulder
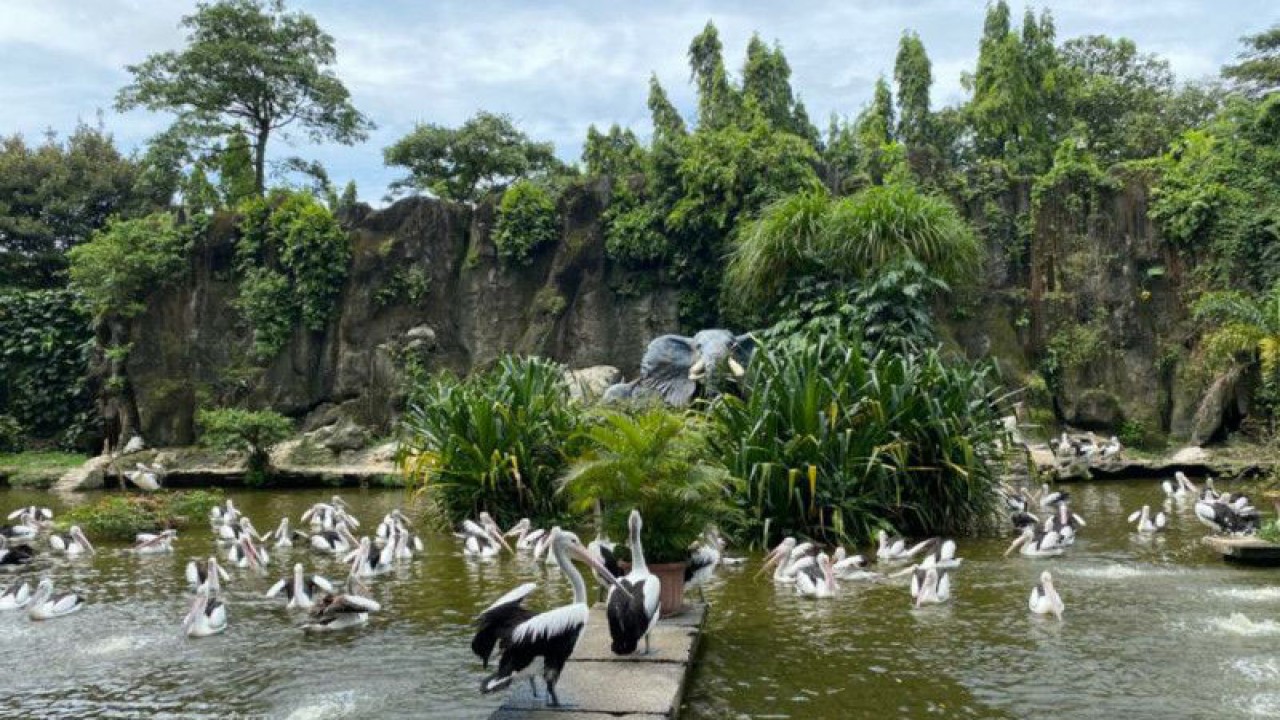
(1225, 398)
(588, 384)
(1190, 455)
(346, 434)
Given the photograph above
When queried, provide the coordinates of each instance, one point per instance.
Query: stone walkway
(597, 684)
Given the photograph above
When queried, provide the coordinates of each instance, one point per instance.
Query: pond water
(1153, 627)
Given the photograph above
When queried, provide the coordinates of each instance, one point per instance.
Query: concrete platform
(596, 684)
(1249, 550)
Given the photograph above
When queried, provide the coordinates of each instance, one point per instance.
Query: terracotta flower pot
(671, 600)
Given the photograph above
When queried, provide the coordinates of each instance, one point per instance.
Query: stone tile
(670, 643)
(608, 687)
(569, 714)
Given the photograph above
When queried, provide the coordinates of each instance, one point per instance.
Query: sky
(557, 66)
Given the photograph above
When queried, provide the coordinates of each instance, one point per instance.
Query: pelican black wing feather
(554, 650)
(496, 623)
(627, 619)
(610, 561)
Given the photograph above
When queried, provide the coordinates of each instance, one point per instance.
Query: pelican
(786, 555)
(339, 612)
(1022, 519)
(16, 596)
(1044, 598)
(817, 579)
(602, 548)
(245, 554)
(15, 555)
(1037, 543)
(334, 542)
(154, 543)
(281, 537)
(219, 516)
(942, 553)
(632, 606)
(703, 562)
(930, 585)
(1186, 488)
(18, 532)
(483, 539)
(1147, 524)
(896, 550)
(32, 515)
(44, 605)
(526, 536)
(206, 575)
(207, 616)
(1050, 498)
(1065, 523)
(228, 534)
(850, 567)
(523, 636)
(368, 561)
(146, 478)
(1111, 447)
(1224, 518)
(73, 543)
(301, 590)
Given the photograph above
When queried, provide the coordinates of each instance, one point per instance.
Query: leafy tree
(349, 198)
(254, 432)
(1258, 71)
(249, 66)
(55, 195)
(874, 132)
(718, 100)
(127, 260)
(615, 153)
(45, 340)
(236, 172)
(766, 78)
(198, 194)
(1244, 329)
(840, 156)
(487, 152)
(913, 73)
(667, 123)
(526, 222)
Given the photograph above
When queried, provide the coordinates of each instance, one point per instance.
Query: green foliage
(633, 231)
(496, 441)
(913, 73)
(45, 342)
(248, 66)
(832, 445)
(199, 196)
(1240, 328)
(766, 80)
(615, 153)
(1258, 71)
(127, 260)
(486, 153)
(406, 285)
(266, 302)
(254, 432)
(121, 517)
(526, 222)
(718, 100)
(235, 171)
(11, 434)
(55, 195)
(34, 468)
(657, 462)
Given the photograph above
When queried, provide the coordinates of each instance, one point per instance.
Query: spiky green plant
(1245, 329)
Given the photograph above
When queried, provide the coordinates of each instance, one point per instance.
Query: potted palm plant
(655, 461)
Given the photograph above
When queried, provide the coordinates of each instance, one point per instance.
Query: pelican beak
(736, 368)
(496, 534)
(599, 568)
(1021, 539)
(84, 541)
(774, 556)
(197, 607)
(904, 572)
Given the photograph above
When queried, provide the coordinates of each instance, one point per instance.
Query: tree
(616, 152)
(236, 179)
(766, 78)
(198, 194)
(249, 67)
(914, 75)
(125, 261)
(1244, 329)
(1258, 71)
(53, 196)
(880, 155)
(486, 153)
(718, 101)
(667, 123)
(253, 432)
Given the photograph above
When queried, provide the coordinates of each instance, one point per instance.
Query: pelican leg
(646, 644)
(551, 677)
(533, 686)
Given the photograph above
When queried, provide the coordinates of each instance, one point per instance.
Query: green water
(1153, 628)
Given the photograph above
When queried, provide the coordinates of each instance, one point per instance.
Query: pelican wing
(282, 585)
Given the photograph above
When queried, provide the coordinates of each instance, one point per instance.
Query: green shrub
(631, 235)
(121, 517)
(37, 468)
(127, 260)
(496, 441)
(254, 432)
(266, 301)
(406, 285)
(11, 439)
(833, 445)
(526, 222)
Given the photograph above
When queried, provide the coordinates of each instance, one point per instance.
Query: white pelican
(19, 532)
(524, 637)
(208, 574)
(281, 537)
(483, 539)
(146, 478)
(526, 536)
(930, 585)
(32, 515)
(135, 444)
(1044, 598)
(367, 560)
(339, 612)
(228, 534)
(246, 554)
(1049, 498)
(219, 516)
(16, 596)
(817, 580)
(787, 556)
(207, 616)
(302, 591)
(1110, 447)
(1064, 522)
(632, 605)
(334, 542)
(16, 554)
(942, 553)
(73, 543)
(850, 567)
(1224, 518)
(896, 550)
(1037, 543)
(45, 605)
(703, 562)
(154, 543)
(1146, 523)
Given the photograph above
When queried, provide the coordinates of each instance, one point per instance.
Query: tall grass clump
(833, 445)
(496, 441)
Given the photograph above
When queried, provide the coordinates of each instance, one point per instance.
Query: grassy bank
(36, 469)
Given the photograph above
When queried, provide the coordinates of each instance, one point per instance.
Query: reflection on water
(1154, 627)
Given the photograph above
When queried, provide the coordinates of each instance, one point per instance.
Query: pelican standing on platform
(1044, 598)
(45, 605)
(73, 543)
(633, 609)
(523, 636)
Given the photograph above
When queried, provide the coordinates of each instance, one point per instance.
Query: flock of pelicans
(632, 601)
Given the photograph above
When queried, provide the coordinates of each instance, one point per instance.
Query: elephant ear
(744, 346)
(665, 368)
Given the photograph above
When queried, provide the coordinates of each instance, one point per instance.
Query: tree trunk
(260, 159)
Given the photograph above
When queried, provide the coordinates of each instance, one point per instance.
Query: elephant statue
(675, 367)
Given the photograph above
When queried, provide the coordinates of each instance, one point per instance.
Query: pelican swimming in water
(334, 542)
(229, 534)
(219, 516)
(1037, 543)
(18, 533)
(15, 554)
(16, 596)
(1049, 498)
(73, 543)
(523, 636)
(154, 543)
(526, 537)
(1147, 523)
(851, 567)
(786, 555)
(33, 516)
(207, 616)
(282, 537)
(930, 585)
(632, 605)
(483, 539)
(942, 553)
(206, 574)
(45, 605)
(367, 560)
(896, 550)
(1181, 488)
(703, 561)
(1065, 523)
(339, 612)
(245, 554)
(1044, 598)
(817, 579)
(302, 591)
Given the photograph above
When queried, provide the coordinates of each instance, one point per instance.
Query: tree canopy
(1258, 71)
(249, 66)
